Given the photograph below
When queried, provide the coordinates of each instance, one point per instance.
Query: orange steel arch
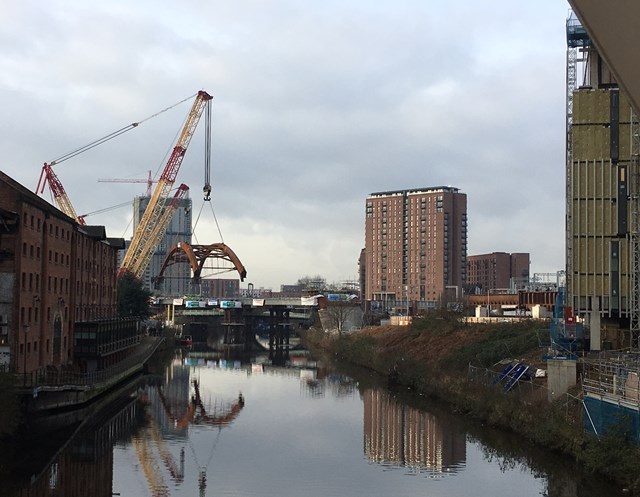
(197, 255)
(197, 414)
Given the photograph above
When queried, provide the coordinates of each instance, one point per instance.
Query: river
(209, 427)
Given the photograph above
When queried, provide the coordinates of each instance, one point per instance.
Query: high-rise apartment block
(415, 245)
(176, 279)
(498, 270)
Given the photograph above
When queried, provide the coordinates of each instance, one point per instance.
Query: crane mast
(140, 264)
(145, 239)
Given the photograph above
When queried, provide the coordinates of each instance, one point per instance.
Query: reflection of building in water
(85, 466)
(398, 434)
(171, 400)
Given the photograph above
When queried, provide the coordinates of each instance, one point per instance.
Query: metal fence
(521, 388)
(53, 376)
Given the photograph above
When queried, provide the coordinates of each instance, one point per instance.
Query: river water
(210, 427)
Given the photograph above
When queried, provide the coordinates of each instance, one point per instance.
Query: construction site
(57, 271)
(602, 212)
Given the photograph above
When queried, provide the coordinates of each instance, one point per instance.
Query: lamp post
(25, 328)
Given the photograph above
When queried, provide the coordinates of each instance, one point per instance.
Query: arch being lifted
(197, 255)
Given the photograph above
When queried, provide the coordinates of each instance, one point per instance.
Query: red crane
(59, 194)
(48, 176)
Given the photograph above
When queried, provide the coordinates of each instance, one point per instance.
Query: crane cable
(114, 134)
(214, 218)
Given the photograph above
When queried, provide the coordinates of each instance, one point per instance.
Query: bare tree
(342, 316)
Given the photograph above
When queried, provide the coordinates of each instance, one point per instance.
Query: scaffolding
(634, 232)
(578, 42)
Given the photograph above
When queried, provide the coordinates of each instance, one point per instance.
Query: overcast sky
(316, 105)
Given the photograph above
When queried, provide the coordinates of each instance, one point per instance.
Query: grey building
(177, 278)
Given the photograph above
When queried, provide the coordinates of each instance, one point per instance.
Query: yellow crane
(155, 219)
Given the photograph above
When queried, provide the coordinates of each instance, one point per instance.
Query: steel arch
(197, 255)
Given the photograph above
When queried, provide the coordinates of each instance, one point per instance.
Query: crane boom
(158, 232)
(58, 191)
(143, 243)
(59, 194)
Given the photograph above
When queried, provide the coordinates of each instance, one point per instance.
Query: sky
(315, 106)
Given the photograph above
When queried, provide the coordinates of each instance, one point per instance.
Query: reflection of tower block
(279, 335)
(233, 325)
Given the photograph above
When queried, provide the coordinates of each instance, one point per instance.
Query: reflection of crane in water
(196, 414)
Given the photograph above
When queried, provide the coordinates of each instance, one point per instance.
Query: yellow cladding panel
(596, 217)
(590, 106)
(591, 142)
(591, 119)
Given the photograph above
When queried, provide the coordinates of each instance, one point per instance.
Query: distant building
(362, 274)
(53, 273)
(498, 270)
(219, 287)
(292, 290)
(258, 293)
(176, 279)
(415, 246)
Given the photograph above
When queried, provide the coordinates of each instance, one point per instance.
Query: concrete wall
(561, 375)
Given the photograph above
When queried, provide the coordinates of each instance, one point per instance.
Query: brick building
(220, 287)
(415, 245)
(498, 270)
(53, 272)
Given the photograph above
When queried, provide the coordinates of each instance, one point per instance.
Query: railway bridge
(241, 325)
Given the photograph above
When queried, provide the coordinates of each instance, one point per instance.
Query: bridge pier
(279, 335)
(234, 331)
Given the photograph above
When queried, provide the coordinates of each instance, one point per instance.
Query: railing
(53, 377)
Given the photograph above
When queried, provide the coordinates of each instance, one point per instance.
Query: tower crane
(149, 181)
(153, 223)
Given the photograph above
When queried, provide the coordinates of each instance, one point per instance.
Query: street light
(25, 328)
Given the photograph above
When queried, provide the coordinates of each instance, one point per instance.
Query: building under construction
(177, 278)
(602, 195)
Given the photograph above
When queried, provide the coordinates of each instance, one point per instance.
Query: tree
(132, 298)
(342, 316)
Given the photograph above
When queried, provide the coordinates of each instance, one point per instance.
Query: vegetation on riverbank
(444, 357)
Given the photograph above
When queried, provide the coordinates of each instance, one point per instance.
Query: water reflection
(398, 435)
(303, 431)
(76, 460)
(174, 403)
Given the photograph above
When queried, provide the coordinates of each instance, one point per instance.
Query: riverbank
(435, 356)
